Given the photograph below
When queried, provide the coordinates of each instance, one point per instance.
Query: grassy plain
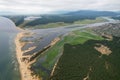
(49, 58)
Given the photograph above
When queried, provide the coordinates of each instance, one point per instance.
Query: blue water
(8, 63)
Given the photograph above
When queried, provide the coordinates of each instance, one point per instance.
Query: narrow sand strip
(24, 65)
(26, 73)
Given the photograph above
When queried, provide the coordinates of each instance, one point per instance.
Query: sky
(46, 6)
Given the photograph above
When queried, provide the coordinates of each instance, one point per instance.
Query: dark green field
(82, 60)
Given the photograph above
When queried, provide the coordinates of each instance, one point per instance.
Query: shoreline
(25, 72)
(24, 65)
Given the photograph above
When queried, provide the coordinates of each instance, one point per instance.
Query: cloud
(44, 6)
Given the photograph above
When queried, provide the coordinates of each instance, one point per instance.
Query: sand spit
(24, 61)
(26, 73)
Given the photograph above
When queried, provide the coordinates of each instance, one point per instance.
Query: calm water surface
(8, 63)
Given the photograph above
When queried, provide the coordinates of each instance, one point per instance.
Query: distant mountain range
(93, 13)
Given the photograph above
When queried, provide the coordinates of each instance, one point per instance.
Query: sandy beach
(24, 61)
(26, 73)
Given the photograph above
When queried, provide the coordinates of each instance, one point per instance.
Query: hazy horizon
(46, 6)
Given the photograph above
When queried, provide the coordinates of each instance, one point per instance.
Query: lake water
(8, 63)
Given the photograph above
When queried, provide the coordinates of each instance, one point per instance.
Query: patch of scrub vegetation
(83, 62)
(52, 25)
(108, 29)
(88, 21)
(61, 24)
(47, 60)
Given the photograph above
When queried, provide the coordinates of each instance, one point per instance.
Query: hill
(67, 18)
(92, 13)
